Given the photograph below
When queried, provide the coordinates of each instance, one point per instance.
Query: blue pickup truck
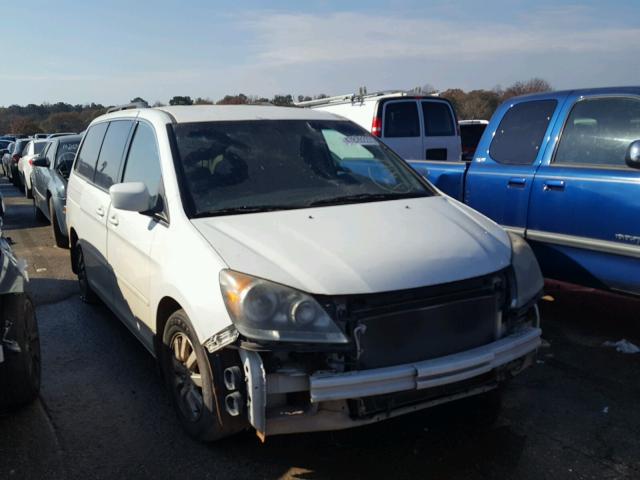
(563, 170)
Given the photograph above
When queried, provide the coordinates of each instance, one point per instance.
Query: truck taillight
(376, 127)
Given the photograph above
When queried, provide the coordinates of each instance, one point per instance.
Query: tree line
(64, 117)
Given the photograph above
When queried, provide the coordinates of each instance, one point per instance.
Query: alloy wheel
(187, 379)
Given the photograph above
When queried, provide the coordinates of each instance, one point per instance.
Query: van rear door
(402, 128)
(441, 140)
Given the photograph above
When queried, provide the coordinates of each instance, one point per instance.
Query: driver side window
(599, 131)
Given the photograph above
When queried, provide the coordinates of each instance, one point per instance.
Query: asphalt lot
(103, 412)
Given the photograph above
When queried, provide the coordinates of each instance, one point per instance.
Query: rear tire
(38, 213)
(61, 239)
(189, 378)
(20, 372)
(28, 193)
(87, 295)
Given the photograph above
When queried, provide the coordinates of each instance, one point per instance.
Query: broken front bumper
(328, 392)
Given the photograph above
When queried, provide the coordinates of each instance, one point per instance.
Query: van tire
(87, 295)
(20, 372)
(61, 239)
(197, 408)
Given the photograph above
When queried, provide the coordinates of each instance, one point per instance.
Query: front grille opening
(425, 323)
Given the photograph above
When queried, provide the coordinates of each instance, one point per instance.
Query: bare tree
(533, 85)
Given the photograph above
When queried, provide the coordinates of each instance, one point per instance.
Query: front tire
(20, 372)
(61, 239)
(188, 375)
(87, 295)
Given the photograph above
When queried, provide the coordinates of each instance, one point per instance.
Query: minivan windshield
(261, 165)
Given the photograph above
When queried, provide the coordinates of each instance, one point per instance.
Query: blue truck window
(599, 131)
(520, 133)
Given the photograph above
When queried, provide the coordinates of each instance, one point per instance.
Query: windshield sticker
(360, 140)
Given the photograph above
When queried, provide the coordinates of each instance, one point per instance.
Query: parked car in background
(62, 134)
(50, 174)
(280, 294)
(470, 133)
(6, 159)
(5, 145)
(561, 169)
(415, 127)
(19, 342)
(11, 158)
(31, 151)
(41, 136)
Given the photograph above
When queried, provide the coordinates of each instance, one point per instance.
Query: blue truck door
(499, 179)
(583, 218)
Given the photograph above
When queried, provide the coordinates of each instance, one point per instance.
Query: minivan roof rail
(127, 106)
(353, 97)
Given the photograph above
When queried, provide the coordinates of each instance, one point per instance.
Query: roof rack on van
(353, 97)
(128, 106)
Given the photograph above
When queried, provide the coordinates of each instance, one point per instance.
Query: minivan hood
(361, 248)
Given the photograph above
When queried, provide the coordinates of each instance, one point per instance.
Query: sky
(112, 51)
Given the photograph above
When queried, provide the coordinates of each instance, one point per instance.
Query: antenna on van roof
(128, 106)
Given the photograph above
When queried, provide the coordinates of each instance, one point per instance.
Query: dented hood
(361, 248)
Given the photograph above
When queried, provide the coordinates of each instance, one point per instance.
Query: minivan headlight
(264, 310)
(528, 277)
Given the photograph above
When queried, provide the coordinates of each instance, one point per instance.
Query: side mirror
(40, 162)
(130, 196)
(632, 157)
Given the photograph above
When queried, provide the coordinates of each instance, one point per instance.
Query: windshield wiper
(364, 197)
(243, 209)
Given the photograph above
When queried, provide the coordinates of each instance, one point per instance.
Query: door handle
(517, 182)
(100, 211)
(553, 185)
(113, 220)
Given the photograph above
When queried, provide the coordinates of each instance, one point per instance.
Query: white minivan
(415, 127)
(290, 272)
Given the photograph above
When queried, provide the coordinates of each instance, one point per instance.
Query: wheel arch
(167, 306)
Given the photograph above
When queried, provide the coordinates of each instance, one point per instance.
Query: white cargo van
(415, 127)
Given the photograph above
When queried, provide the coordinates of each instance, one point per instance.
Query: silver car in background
(50, 174)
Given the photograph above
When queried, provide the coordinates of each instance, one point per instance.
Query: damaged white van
(290, 272)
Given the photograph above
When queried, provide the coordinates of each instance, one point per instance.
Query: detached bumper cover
(425, 374)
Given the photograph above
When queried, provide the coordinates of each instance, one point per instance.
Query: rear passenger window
(143, 161)
(518, 138)
(88, 154)
(401, 120)
(438, 121)
(599, 131)
(111, 153)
